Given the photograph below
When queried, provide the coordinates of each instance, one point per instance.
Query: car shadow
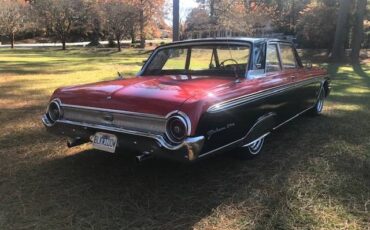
(312, 162)
(96, 188)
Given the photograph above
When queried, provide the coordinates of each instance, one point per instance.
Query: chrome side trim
(220, 148)
(234, 142)
(292, 118)
(240, 140)
(235, 102)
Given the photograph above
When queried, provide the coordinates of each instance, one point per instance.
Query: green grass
(314, 173)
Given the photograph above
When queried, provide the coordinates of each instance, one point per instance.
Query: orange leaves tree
(151, 14)
(12, 15)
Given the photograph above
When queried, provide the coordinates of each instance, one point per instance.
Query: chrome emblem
(108, 117)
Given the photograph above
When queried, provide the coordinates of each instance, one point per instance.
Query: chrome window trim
(198, 43)
(235, 102)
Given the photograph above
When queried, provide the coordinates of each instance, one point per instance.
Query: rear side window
(288, 57)
(272, 58)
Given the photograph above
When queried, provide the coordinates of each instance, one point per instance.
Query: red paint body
(161, 95)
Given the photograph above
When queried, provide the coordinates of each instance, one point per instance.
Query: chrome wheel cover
(255, 147)
(320, 102)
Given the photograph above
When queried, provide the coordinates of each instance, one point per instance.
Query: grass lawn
(314, 173)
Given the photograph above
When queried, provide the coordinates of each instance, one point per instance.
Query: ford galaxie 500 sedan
(192, 99)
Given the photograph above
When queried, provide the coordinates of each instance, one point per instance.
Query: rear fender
(263, 126)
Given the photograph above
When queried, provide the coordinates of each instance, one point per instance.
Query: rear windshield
(223, 60)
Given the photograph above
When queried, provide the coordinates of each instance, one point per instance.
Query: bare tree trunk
(12, 40)
(338, 54)
(358, 30)
(64, 44)
(118, 44)
(95, 37)
(133, 35)
(142, 32)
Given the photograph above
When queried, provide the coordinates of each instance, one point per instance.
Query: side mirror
(309, 65)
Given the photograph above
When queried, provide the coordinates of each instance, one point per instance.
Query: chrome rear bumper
(136, 141)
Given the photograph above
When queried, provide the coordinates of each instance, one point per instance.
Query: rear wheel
(319, 106)
(252, 150)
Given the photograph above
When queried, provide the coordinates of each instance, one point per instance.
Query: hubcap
(256, 146)
(320, 103)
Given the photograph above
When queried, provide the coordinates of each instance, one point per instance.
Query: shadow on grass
(360, 71)
(309, 168)
(106, 190)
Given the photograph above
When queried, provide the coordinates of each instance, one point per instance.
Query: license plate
(105, 142)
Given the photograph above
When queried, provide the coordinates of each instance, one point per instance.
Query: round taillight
(54, 111)
(177, 129)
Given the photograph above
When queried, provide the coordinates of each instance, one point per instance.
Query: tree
(12, 14)
(118, 16)
(358, 30)
(316, 26)
(94, 21)
(60, 17)
(149, 11)
(240, 17)
(342, 29)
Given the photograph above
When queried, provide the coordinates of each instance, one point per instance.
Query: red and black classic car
(192, 99)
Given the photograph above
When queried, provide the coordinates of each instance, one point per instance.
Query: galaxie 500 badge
(210, 133)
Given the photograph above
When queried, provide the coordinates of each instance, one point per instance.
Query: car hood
(154, 95)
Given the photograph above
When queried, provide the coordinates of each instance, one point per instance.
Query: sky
(187, 5)
(185, 8)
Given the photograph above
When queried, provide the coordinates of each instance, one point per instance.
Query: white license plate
(105, 142)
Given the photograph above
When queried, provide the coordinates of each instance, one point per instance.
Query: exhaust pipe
(143, 157)
(75, 142)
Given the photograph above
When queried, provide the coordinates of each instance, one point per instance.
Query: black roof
(230, 39)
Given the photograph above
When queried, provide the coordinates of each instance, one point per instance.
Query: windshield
(223, 60)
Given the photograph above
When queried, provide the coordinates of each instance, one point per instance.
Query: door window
(272, 58)
(287, 56)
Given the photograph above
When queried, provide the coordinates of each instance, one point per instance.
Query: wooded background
(334, 25)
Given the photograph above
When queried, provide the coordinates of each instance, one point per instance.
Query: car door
(304, 86)
(277, 80)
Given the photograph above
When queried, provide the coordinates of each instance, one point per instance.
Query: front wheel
(252, 150)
